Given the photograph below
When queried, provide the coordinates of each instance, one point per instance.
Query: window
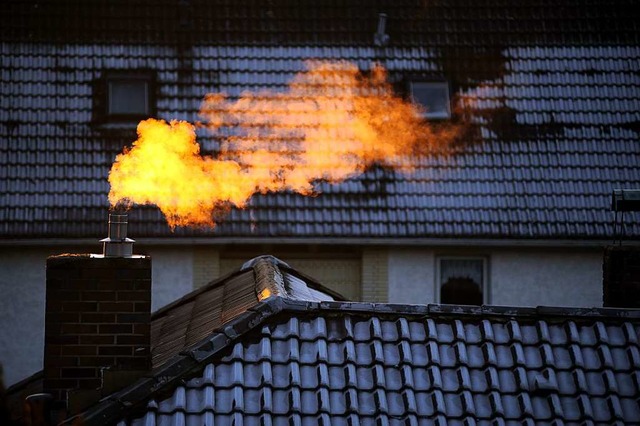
(433, 96)
(128, 97)
(125, 96)
(462, 280)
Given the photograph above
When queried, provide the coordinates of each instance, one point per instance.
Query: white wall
(517, 277)
(411, 276)
(171, 273)
(546, 278)
(22, 284)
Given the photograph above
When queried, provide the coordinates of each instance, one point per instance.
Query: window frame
(486, 299)
(104, 99)
(426, 114)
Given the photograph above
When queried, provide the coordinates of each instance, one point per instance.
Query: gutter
(346, 241)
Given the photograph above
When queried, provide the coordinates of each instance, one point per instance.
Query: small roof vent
(381, 38)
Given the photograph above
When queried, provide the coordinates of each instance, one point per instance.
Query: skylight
(433, 96)
(125, 97)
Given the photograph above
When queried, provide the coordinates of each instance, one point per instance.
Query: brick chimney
(97, 319)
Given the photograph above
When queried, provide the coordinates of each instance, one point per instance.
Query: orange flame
(331, 124)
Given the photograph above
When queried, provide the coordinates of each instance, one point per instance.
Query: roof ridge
(261, 278)
(271, 280)
(484, 311)
(268, 277)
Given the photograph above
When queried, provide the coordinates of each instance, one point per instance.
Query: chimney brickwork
(621, 277)
(97, 315)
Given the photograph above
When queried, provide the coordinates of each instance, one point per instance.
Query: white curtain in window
(461, 268)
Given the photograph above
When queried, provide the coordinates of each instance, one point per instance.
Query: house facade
(551, 97)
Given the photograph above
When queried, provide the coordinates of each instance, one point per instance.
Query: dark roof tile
(564, 76)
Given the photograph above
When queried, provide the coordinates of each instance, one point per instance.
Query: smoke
(331, 123)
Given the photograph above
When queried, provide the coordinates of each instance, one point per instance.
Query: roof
(188, 320)
(286, 360)
(556, 117)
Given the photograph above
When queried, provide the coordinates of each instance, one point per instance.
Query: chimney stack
(97, 318)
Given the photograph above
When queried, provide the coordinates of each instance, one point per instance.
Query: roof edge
(344, 241)
(17, 386)
(484, 311)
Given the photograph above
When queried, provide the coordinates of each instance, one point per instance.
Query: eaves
(344, 241)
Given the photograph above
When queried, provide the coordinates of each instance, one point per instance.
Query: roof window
(433, 96)
(126, 96)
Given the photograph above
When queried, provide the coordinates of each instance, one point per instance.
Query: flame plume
(331, 124)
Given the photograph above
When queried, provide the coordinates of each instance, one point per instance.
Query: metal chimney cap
(117, 244)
